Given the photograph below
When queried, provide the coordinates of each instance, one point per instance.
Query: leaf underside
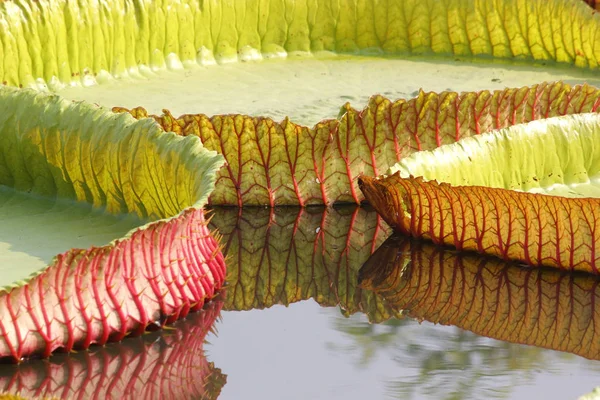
(540, 307)
(535, 229)
(155, 274)
(282, 256)
(270, 163)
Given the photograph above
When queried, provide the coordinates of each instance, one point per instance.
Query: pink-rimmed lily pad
(156, 273)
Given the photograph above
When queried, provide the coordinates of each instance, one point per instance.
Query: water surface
(308, 351)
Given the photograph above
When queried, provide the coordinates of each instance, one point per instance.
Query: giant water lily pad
(54, 45)
(270, 163)
(52, 148)
(288, 163)
(473, 210)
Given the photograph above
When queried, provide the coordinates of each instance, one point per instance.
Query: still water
(309, 312)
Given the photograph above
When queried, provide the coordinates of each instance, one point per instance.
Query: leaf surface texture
(532, 228)
(270, 163)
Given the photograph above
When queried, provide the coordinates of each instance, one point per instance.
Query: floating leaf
(166, 365)
(554, 156)
(271, 163)
(540, 307)
(285, 255)
(156, 273)
(93, 40)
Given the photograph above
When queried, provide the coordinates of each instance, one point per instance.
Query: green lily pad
(53, 150)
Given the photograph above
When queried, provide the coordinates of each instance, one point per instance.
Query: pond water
(309, 350)
(310, 313)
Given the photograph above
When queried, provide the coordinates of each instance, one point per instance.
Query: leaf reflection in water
(168, 364)
(544, 308)
(285, 255)
(489, 297)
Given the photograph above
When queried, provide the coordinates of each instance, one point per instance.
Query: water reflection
(286, 255)
(446, 362)
(486, 298)
(166, 365)
(541, 307)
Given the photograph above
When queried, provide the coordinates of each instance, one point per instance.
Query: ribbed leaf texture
(169, 365)
(540, 307)
(155, 274)
(119, 39)
(270, 163)
(286, 255)
(104, 294)
(535, 229)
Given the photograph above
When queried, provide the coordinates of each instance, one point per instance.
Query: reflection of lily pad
(282, 256)
(169, 364)
(541, 307)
